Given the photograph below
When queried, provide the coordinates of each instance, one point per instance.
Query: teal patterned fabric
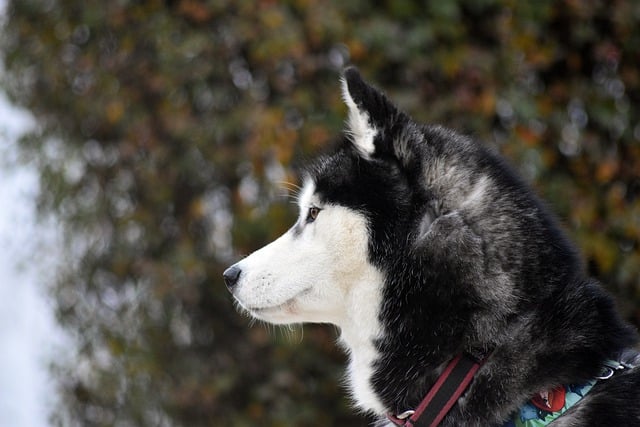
(548, 405)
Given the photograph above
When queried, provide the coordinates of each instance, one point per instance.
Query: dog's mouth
(287, 305)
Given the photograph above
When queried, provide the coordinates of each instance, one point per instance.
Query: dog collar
(540, 411)
(548, 405)
(443, 395)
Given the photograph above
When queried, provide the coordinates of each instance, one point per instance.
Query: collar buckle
(402, 418)
(610, 367)
(405, 414)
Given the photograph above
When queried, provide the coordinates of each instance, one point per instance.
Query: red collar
(443, 395)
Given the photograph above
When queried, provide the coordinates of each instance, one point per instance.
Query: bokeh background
(164, 132)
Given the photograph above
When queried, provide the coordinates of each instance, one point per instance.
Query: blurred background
(156, 138)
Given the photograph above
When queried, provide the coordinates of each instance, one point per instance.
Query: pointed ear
(372, 117)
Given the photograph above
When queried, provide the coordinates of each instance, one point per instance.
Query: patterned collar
(548, 405)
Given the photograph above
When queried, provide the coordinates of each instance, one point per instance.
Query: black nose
(231, 276)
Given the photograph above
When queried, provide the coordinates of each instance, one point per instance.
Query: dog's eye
(313, 213)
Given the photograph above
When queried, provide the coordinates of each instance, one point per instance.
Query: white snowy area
(29, 336)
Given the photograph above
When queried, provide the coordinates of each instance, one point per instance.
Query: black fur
(496, 275)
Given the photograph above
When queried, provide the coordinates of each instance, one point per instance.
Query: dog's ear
(373, 122)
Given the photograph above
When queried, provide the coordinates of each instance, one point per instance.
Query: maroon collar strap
(443, 395)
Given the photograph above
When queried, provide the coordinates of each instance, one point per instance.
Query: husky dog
(421, 245)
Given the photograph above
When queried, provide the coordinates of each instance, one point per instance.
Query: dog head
(321, 270)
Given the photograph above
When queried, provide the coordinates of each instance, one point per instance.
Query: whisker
(289, 185)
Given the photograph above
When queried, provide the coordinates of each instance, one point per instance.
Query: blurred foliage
(166, 129)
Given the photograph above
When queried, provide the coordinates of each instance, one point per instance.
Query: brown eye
(313, 213)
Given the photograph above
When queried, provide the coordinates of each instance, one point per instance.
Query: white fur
(477, 195)
(358, 125)
(359, 330)
(319, 272)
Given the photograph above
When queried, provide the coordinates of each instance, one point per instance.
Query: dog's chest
(360, 372)
(362, 355)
